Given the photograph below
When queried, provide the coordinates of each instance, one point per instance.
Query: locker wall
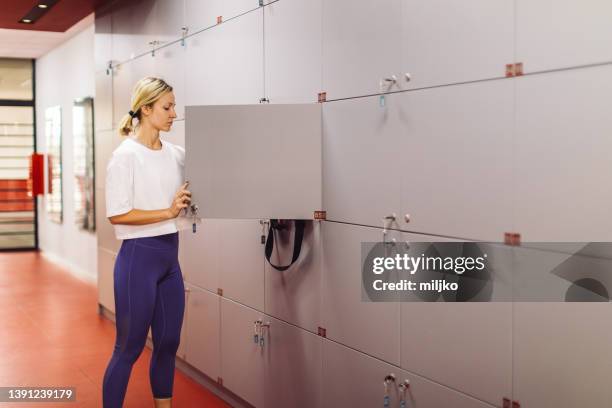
(465, 151)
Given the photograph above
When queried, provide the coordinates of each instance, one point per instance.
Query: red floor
(52, 335)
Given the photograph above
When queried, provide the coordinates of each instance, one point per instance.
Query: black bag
(276, 225)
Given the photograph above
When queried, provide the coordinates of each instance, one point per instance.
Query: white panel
(203, 350)
(103, 39)
(176, 135)
(103, 101)
(562, 156)
(145, 26)
(169, 18)
(105, 231)
(105, 142)
(169, 64)
(199, 255)
(292, 369)
(293, 51)
(226, 63)
(362, 161)
(457, 172)
(225, 143)
(106, 265)
(203, 13)
(123, 83)
(241, 359)
(454, 41)
(353, 379)
(372, 327)
(123, 31)
(466, 346)
(241, 262)
(361, 45)
(562, 33)
(143, 66)
(294, 295)
(562, 355)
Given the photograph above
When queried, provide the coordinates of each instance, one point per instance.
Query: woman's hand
(182, 199)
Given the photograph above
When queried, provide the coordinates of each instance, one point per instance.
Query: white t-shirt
(138, 177)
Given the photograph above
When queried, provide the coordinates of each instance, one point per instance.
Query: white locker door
(145, 26)
(104, 229)
(354, 379)
(372, 327)
(143, 66)
(199, 255)
(562, 160)
(446, 42)
(202, 331)
(292, 368)
(123, 31)
(103, 101)
(562, 33)
(123, 84)
(457, 172)
(361, 45)
(241, 262)
(169, 64)
(103, 43)
(200, 14)
(292, 30)
(294, 295)
(362, 161)
(225, 63)
(176, 135)
(169, 19)
(106, 264)
(242, 360)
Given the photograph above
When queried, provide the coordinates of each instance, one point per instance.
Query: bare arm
(181, 200)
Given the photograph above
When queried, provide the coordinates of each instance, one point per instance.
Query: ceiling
(59, 18)
(61, 21)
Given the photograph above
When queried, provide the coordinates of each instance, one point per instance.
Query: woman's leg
(166, 330)
(135, 287)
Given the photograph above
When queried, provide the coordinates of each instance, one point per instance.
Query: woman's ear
(146, 110)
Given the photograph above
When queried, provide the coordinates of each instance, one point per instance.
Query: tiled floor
(52, 335)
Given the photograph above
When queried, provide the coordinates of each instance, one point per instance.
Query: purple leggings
(149, 292)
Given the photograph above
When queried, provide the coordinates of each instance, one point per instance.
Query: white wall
(63, 75)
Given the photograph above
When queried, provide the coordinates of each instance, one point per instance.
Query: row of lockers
(341, 47)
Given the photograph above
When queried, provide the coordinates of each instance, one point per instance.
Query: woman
(144, 195)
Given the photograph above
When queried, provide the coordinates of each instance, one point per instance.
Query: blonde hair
(145, 93)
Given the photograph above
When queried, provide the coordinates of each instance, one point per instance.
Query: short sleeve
(119, 185)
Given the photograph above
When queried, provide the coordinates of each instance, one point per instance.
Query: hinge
(219, 291)
(219, 19)
(322, 332)
(512, 238)
(506, 403)
(220, 381)
(515, 69)
(322, 96)
(320, 215)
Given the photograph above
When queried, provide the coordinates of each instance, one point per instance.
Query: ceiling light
(26, 20)
(43, 6)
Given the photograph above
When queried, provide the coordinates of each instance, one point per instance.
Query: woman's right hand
(182, 199)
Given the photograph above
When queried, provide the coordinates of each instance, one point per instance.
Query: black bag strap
(297, 241)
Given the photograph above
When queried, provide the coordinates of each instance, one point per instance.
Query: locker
(123, 31)
(362, 160)
(146, 26)
(104, 229)
(103, 43)
(241, 261)
(200, 14)
(199, 255)
(169, 64)
(278, 146)
(294, 295)
(201, 329)
(361, 46)
(226, 63)
(292, 367)
(105, 142)
(106, 264)
(168, 19)
(123, 84)
(562, 140)
(446, 42)
(103, 102)
(143, 66)
(292, 31)
(457, 173)
(372, 327)
(241, 359)
(560, 34)
(562, 354)
(354, 379)
(176, 135)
